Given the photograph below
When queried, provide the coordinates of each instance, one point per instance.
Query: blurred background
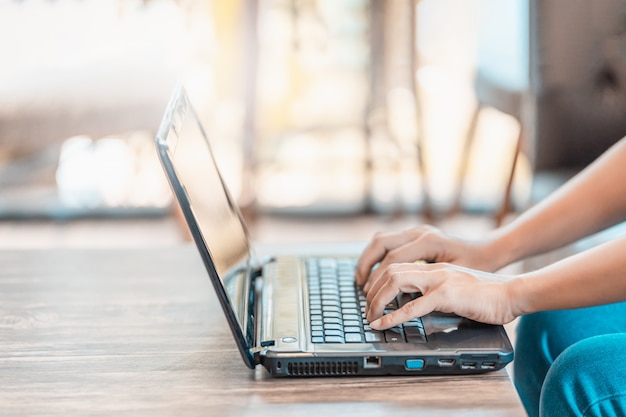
(366, 114)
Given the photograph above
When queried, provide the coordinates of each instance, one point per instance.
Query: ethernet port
(372, 362)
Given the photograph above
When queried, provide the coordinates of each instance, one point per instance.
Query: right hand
(422, 243)
(445, 288)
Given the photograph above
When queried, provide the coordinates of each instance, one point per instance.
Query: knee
(587, 379)
(532, 359)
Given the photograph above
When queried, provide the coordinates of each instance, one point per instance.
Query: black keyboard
(337, 307)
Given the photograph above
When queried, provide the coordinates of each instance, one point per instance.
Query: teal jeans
(572, 362)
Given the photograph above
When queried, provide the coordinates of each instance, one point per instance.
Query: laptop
(303, 315)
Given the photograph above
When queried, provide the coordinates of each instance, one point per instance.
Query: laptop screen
(211, 214)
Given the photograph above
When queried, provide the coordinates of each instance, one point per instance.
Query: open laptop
(302, 315)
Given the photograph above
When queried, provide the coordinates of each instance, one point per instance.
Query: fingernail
(375, 324)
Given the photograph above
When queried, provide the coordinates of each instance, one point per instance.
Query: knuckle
(377, 240)
(392, 257)
(377, 247)
(393, 276)
(393, 268)
(424, 230)
(379, 235)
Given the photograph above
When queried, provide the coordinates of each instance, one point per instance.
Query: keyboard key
(352, 329)
(394, 336)
(416, 339)
(372, 337)
(415, 335)
(413, 331)
(335, 302)
(333, 339)
(317, 339)
(354, 338)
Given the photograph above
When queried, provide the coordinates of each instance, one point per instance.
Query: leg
(543, 336)
(588, 379)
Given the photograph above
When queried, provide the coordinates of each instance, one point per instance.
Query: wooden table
(139, 332)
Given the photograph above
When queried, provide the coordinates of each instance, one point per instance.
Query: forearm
(592, 201)
(596, 276)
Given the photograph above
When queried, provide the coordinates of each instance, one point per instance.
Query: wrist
(500, 249)
(520, 295)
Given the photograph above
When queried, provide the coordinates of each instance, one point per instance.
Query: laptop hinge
(256, 288)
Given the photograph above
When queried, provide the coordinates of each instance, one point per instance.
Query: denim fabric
(572, 362)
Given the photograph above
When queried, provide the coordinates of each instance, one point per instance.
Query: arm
(593, 277)
(596, 276)
(590, 202)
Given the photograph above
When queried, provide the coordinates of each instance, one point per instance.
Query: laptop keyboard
(337, 307)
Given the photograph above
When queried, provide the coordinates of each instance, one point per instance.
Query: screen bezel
(179, 111)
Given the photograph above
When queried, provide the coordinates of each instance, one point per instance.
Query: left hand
(476, 295)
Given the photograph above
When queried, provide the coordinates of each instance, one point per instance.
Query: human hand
(476, 295)
(422, 243)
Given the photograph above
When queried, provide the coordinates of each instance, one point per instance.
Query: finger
(412, 251)
(416, 308)
(396, 278)
(375, 284)
(398, 255)
(376, 251)
(423, 245)
(386, 273)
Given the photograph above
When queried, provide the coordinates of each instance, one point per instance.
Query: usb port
(446, 362)
(488, 365)
(468, 365)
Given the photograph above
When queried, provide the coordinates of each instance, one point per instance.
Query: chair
(501, 79)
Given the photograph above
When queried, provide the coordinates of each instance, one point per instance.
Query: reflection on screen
(216, 214)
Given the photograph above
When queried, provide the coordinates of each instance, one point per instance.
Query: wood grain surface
(140, 332)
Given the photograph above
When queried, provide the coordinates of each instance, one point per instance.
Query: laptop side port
(488, 365)
(468, 365)
(414, 364)
(371, 362)
(445, 362)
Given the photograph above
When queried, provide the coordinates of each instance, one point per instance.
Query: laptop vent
(322, 368)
